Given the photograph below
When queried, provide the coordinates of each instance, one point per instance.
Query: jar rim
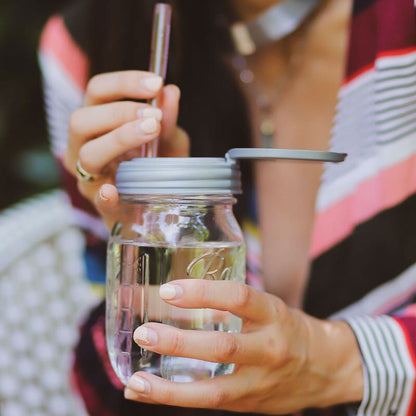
(212, 199)
(178, 176)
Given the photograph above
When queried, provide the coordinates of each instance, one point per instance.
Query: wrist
(334, 346)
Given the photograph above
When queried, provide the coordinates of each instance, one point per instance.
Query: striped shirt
(363, 248)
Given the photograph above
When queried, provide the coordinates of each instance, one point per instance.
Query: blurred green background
(26, 164)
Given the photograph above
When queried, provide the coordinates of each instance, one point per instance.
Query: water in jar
(135, 273)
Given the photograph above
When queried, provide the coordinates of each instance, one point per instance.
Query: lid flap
(288, 154)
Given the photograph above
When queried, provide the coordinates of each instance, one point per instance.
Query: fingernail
(152, 83)
(169, 291)
(146, 336)
(148, 125)
(150, 112)
(102, 195)
(138, 385)
(129, 394)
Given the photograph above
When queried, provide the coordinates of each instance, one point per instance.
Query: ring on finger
(84, 174)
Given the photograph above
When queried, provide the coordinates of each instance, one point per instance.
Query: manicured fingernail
(150, 112)
(102, 195)
(129, 394)
(169, 291)
(145, 336)
(152, 83)
(138, 385)
(148, 125)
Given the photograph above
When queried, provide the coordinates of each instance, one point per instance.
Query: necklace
(264, 98)
(273, 24)
(276, 23)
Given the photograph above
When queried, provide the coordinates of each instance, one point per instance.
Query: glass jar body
(159, 239)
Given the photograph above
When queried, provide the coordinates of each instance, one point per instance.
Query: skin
(308, 93)
(285, 359)
(279, 353)
(107, 131)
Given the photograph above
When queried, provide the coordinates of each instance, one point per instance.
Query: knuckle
(166, 396)
(127, 81)
(130, 110)
(84, 157)
(226, 348)
(177, 343)
(123, 112)
(217, 399)
(202, 291)
(121, 136)
(93, 87)
(83, 154)
(76, 122)
(276, 353)
(242, 296)
(284, 353)
(122, 81)
(278, 307)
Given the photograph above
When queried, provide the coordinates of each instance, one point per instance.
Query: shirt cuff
(389, 368)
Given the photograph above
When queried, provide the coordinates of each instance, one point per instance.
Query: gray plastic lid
(178, 176)
(201, 175)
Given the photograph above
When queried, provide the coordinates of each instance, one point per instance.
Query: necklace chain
(266, 99)
(290, 14)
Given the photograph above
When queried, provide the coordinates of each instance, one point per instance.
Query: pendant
(267, 132)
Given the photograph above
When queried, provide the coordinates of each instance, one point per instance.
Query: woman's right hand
(111, 127)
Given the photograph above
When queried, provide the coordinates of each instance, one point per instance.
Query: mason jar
(177, 222)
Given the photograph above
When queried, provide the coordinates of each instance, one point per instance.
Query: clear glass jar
(160, 238)
(177, 223)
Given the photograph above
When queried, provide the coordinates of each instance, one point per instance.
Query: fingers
(90, 122)
(107, 204)
(170, 108)
(218, 393)
(237, 298)
(113, 86)
(214, 346)
(92, 128)
(174, 142)
(106, 131)
(95, 154)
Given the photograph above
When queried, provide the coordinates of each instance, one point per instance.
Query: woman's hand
(285, 360)
(107, 130)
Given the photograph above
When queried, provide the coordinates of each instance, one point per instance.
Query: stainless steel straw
(158, 58)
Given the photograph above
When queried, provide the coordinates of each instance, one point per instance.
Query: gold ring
(83, 174)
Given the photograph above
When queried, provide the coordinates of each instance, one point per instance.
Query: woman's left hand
(285, 360)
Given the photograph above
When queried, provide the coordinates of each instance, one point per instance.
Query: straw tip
(163, 6)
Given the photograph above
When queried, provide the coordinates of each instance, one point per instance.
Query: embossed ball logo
(210, 266)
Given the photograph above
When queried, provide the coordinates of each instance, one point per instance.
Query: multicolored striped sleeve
(64, 68)
(387, 346)
(364, 239)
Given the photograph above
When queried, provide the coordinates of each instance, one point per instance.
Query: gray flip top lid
(288, 154)
(201, 175)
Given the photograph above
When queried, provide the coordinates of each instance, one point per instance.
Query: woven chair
(43, 297)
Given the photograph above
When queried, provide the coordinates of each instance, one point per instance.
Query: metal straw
(158, 58)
